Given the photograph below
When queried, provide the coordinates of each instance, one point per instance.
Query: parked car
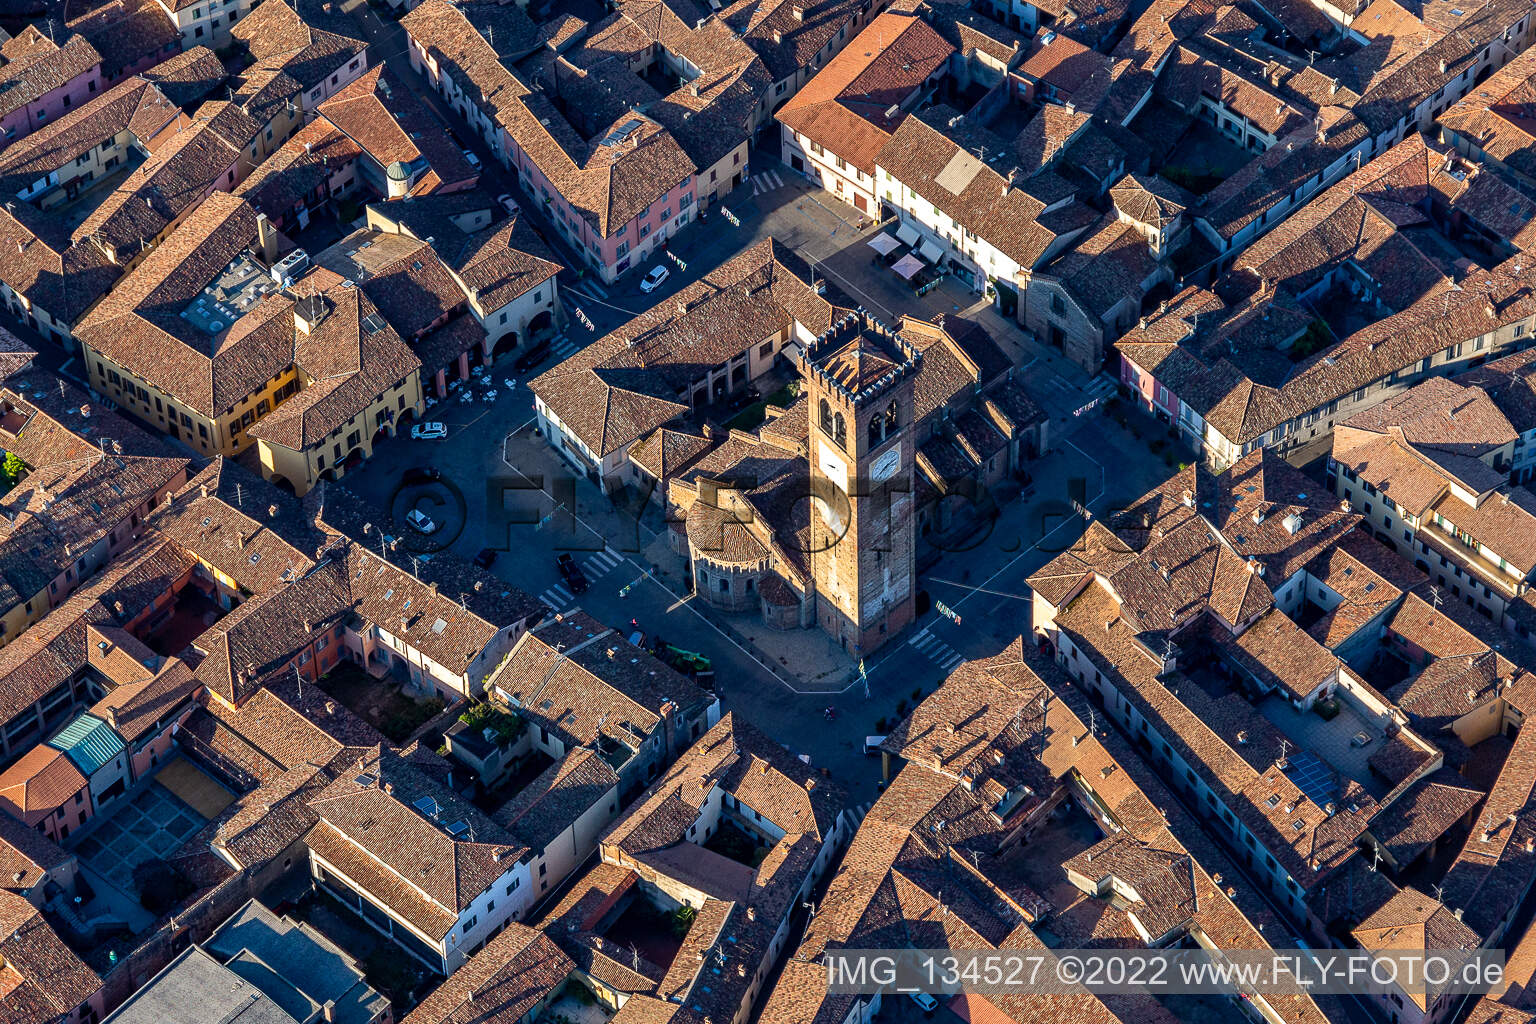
(422, 474)
(924, 1000)
(429, 431)
(507, 202)
(419, 519)
(486, 558)
(653, 280)
(471, 159)
(572, 573)
(531, 358)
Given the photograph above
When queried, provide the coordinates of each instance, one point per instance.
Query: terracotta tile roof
(1508, 380)
(54, 649)
(134, 106)
(1429, 809)
(789, 36)
(667, 453)
(844, 107)
(57, 274)
(608, 184)
(552, 803)
(134, 709)
(500, 984)
(43, 979)
(1493, 869)
(1106, 265)
(1280, 654)
(184, 170)
(128, 32)
(138, 326)
(382, 840)
(302, 167)
(227, 516)
(636, 379)
(349, 358)
(978, 437)
(27, 857)
(1204, 367)
(25, 79)
(38, 784)
(277, 36)
(386, 121)
(932, 153)
(735, 758)
(1495, 115)
(187, 76)
(562, 677)
(1412, 921)
(1163, 880)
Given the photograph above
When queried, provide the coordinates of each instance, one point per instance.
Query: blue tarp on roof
(89, 742)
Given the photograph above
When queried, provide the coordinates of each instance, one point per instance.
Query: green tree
(12, 469)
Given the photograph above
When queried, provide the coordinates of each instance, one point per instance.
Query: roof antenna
(239, 495)
(299, 676)
(1285, 747)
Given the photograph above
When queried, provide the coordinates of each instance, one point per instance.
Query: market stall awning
(907, 266)
(883, 243)
(931, 251)
(907, 233)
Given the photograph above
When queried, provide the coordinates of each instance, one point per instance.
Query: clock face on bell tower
(859, 387)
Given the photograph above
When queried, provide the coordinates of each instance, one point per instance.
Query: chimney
(798, 12)
(1442, 65)
(266, 238)
(112, 716)
(751, 913)
(389, 787)
(778, 37)
(271, 511)
(681, 306)
(328, 1011)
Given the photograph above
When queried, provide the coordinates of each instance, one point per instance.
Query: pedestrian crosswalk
(563, 348)
(556, 598)
(597, 565)
(936, 650)
(1099, 387)
(602, 563)
(766, 182)
(595, 287)
(858, 814)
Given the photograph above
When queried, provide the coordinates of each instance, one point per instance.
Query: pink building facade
(1148, 392)
(51, 105)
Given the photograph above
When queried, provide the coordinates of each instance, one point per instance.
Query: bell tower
(859, 379)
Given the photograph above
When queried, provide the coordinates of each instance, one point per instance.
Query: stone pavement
(805, 660)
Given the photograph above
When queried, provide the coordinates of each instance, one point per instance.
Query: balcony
(1442, 541)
